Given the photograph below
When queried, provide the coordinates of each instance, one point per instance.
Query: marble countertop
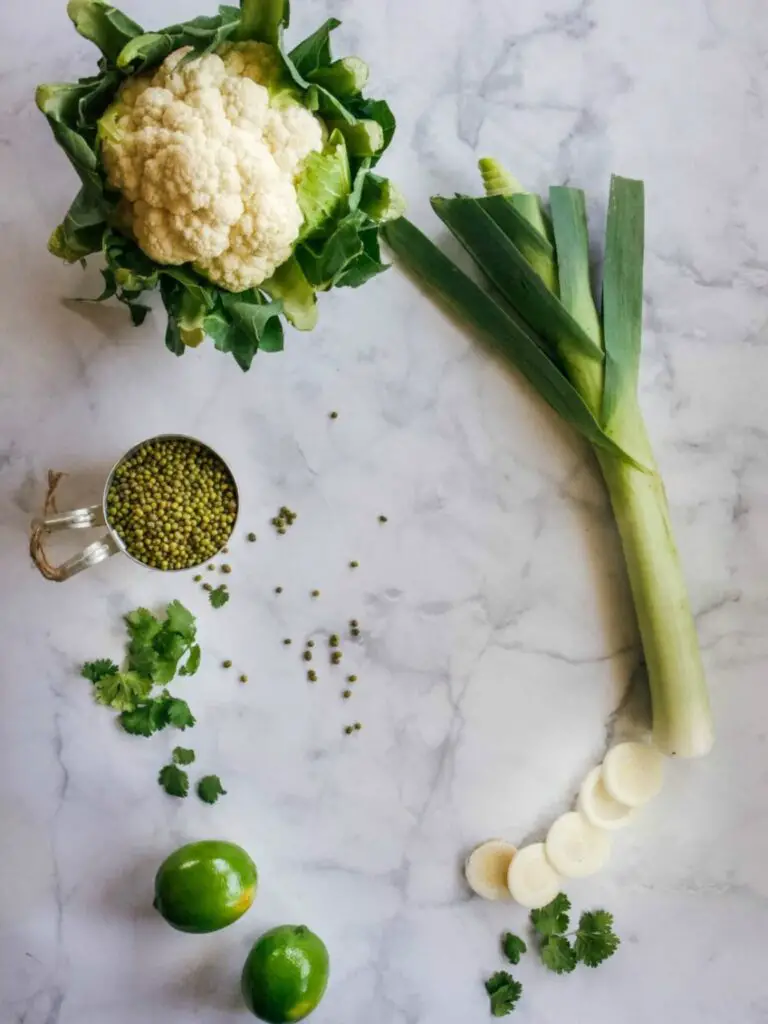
(497, 639)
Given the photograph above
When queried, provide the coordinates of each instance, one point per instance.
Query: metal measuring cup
(53, 521)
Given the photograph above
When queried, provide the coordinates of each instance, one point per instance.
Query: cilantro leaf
(157, 647)
(558, 954)
(142, 658)
(139, 722)
(164, 671)
(96, 670)
(122, 691)
(504, 993)
(192, 663)
(596, 920)
(142, 625)
(153, 715)
(181, 755)
(209, 789)
(170, 645)
(158, 711)
(178, 714)
(219, 596)
(513, 947)
(180, 620)
(552, 919)
(170, 648)
(174, 781)
(595, 938)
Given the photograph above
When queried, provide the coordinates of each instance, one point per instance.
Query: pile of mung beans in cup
(173, 503)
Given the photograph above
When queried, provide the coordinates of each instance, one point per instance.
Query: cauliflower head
(206, 154)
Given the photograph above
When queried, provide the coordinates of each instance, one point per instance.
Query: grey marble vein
(498, 655)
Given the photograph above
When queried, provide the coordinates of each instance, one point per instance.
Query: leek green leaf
(511, 338)
(623, 292)
(533, 246)
(497, 181)
(569, 220)
(529, 205)
(521, 286)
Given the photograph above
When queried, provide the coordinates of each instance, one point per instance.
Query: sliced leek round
(532, 880)
(598, 806)
(575, 848)
(633, 773)
(487, 867)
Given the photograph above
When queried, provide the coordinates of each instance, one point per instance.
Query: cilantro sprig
(558, 954)
(209, 789)
(158, 649)
(158, 713)
(174, 780)
(594, 941)
(155, 649)
(513, 947)
(97, 670)
(503, 992)
(560, 950)
(219, 596)
(122, 691)
(554, 918)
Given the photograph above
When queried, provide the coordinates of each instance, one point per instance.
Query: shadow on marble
(212, 982)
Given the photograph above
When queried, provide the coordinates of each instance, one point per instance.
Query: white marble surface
(497, 639)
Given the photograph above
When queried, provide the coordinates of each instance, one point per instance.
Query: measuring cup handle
(77, 519)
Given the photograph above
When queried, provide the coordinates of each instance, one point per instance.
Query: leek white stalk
(682, 722)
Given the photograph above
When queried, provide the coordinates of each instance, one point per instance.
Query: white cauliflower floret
(262, 238)
(292, 136)
(257, 61)
(207, 164)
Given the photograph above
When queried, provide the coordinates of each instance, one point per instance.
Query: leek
(540, 314)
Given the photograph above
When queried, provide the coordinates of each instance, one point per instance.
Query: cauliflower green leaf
(314, 52)
(325, 183)
(289, 285)
(103, 25)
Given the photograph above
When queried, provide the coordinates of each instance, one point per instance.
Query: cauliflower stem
(230, 174)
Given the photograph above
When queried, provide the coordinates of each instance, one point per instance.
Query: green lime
(285, 975)
(205, 886)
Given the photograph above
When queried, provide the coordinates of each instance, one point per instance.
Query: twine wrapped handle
(36, 549)
(78, 519)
